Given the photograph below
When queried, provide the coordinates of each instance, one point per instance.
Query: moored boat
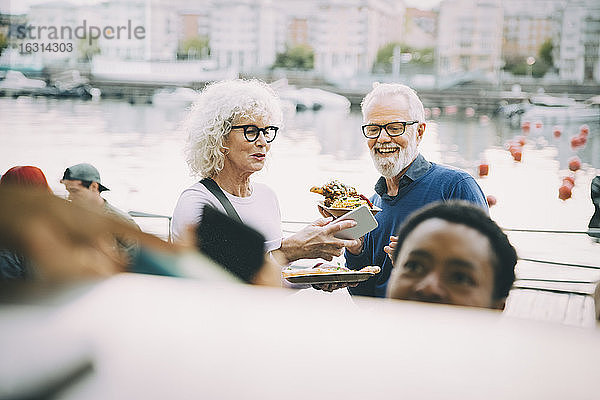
(560, 109)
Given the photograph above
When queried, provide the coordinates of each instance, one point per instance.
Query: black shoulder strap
(212, 186)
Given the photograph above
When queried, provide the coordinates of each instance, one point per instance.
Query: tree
(385, 56)
(298, 57)
(3, 42)
(87, 49)
(545, 52)
(194, 48)
(518, 66)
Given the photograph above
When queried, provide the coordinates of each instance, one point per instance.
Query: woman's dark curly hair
(464, 213)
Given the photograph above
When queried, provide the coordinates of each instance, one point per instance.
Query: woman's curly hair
(210, 119)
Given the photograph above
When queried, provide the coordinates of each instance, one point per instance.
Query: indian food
(338, 195)
(324, 269)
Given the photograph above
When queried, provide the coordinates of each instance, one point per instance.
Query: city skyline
(17, 7)
(335, 39)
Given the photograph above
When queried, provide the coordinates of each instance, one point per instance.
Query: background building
(344, 35)
(348, 34)
(577, 42)
(242, 34)
(527, 25)
(160, 22)
(56, 14)
(469, 37)
(419, 29)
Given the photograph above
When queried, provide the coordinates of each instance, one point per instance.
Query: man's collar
(416, 169)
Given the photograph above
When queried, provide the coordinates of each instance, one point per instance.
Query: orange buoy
(538, 125)
(484, 169)
(578, 141)
(584, 129)
(517, 153)
(569, 180)
(565, 192)
(491, 200)
(574, 164)
(516, 150)
(521, 140)
(525, 126)
(556, 131)
(450, 110)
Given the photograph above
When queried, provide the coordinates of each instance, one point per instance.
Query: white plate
(338, 212)
(340, 277)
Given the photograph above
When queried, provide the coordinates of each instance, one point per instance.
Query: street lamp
(530, 62)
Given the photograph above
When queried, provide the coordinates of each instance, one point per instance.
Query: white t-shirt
(260, 211)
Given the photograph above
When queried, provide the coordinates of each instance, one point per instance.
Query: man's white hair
(210, 119)
(415, 106)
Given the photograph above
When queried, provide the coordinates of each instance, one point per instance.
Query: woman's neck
(235, 184)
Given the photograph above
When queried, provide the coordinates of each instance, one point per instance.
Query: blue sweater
(432, 182)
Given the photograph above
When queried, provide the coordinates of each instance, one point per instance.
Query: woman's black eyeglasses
(372, 131)
(252, 132)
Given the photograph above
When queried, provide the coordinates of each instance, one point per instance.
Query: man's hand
(330, 287)
(390, 248)
(317, 240)
(358, 248)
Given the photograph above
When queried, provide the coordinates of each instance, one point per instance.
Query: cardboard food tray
(338, 212)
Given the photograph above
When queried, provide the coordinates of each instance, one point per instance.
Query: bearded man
(394, 126)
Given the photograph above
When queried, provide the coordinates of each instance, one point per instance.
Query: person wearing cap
(83, 183)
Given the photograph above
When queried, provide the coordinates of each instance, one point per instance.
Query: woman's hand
(317, 240)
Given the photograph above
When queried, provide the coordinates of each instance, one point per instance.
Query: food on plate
(338, 195)
(323, 269)
(371, 268)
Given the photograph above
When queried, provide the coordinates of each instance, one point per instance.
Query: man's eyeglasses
(252, 132)
(372, 131)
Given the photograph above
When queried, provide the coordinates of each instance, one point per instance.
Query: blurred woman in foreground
(48, 231)
(26, 176)
(13, 265)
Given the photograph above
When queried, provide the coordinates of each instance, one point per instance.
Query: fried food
(338, 195)
(325, 269)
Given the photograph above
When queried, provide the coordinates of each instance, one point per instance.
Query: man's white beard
(390, 167)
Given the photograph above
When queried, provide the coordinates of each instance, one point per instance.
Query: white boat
(309, 98)
(323, 98)
(178, 97)
(301, 101)
(16, 82)
(560, 109)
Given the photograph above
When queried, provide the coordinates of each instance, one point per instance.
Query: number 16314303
(37, 47)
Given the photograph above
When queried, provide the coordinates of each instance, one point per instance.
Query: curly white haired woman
(230, 131)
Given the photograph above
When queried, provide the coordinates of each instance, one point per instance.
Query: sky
(21, 6)
(422, 4)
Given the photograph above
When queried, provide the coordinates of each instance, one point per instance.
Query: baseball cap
(84, 172)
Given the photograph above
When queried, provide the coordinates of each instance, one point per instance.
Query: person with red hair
(12, 265)
(25, 176)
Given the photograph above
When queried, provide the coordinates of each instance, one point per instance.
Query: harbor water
(139, 152)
